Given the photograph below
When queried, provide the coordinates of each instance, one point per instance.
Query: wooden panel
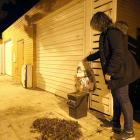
(56, 76)
(95, 44)
(96, 38)
(100, 99)
(96, 32)
(76, 58)
(103, 8)
(66, 35)
(56, 84)
(68, 67)
(102, 86)
(60, 41)
(52, 33)
(128, 11)
(52, 24)
(100, 2)
(100, 107)
(98, 71)
(109, 13)
(102, 93)
(100, 78)
(20, 56)
(55, 90)
(96, 65)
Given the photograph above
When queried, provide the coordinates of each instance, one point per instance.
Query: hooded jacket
(116, 60)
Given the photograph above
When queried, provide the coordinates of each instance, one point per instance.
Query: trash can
(78, 104)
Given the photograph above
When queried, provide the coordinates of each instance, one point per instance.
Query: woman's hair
(100, 21)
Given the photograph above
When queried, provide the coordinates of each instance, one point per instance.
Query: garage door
(8, 58)
(60, 43)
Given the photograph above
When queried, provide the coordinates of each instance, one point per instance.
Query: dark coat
(116, 60)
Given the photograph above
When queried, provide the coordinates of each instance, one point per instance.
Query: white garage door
(60, 43)
(8, 58)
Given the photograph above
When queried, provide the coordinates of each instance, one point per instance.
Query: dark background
(15, 11)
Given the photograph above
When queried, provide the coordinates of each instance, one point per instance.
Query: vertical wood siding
(60, 41)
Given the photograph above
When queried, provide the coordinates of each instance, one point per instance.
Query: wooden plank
(59, 62)
(52, 29)
(95, 38)
(99, 72)
(96, 65)
(60, 48)
(76, 58)
(71, 34)
(55, 83)
(100, 2)
(129, 6)
(55, 91)
(69, 19)
(95, 44)
(56, 76)
(102, 86)
(95, 32)
(41, 66)
(103, 8)
(109, 13)
(102, 93)
(94, 51)
(50, 34)
(100, 79)
(55, 70)
(62, 11)
(70, 53)
(100, 107)
(100, 99)
(59, 43)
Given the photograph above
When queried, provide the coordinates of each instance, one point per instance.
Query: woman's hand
(107, 77)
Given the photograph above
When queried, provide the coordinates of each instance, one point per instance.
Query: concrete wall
(129, 11)
(24, 29)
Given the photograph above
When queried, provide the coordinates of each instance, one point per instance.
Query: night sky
(15, 11)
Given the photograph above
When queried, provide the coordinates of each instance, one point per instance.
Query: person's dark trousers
(122, 103)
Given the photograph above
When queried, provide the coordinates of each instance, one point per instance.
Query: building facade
(53, 36)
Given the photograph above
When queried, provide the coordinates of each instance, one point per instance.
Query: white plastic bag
(84, 78)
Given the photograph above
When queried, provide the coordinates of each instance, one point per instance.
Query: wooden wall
(129, 11)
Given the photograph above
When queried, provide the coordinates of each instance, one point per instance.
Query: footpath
(19, 107)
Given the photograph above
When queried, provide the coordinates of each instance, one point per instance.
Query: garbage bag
(84, 77)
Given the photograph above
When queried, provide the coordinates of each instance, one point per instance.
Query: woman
(119, 69)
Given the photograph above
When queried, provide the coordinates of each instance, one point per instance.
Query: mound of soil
(57, 129)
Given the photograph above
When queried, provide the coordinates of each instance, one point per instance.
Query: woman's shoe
(124, 136)
(112, 125)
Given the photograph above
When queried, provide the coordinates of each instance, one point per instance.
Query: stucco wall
(24, 29)
(129, 11)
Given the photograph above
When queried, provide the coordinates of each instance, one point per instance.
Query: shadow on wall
(45, 8)
(134, 88)
(30, 20)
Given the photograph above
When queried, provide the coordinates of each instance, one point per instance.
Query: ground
(19, 107)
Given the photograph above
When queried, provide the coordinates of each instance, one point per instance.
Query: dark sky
(15, 12)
